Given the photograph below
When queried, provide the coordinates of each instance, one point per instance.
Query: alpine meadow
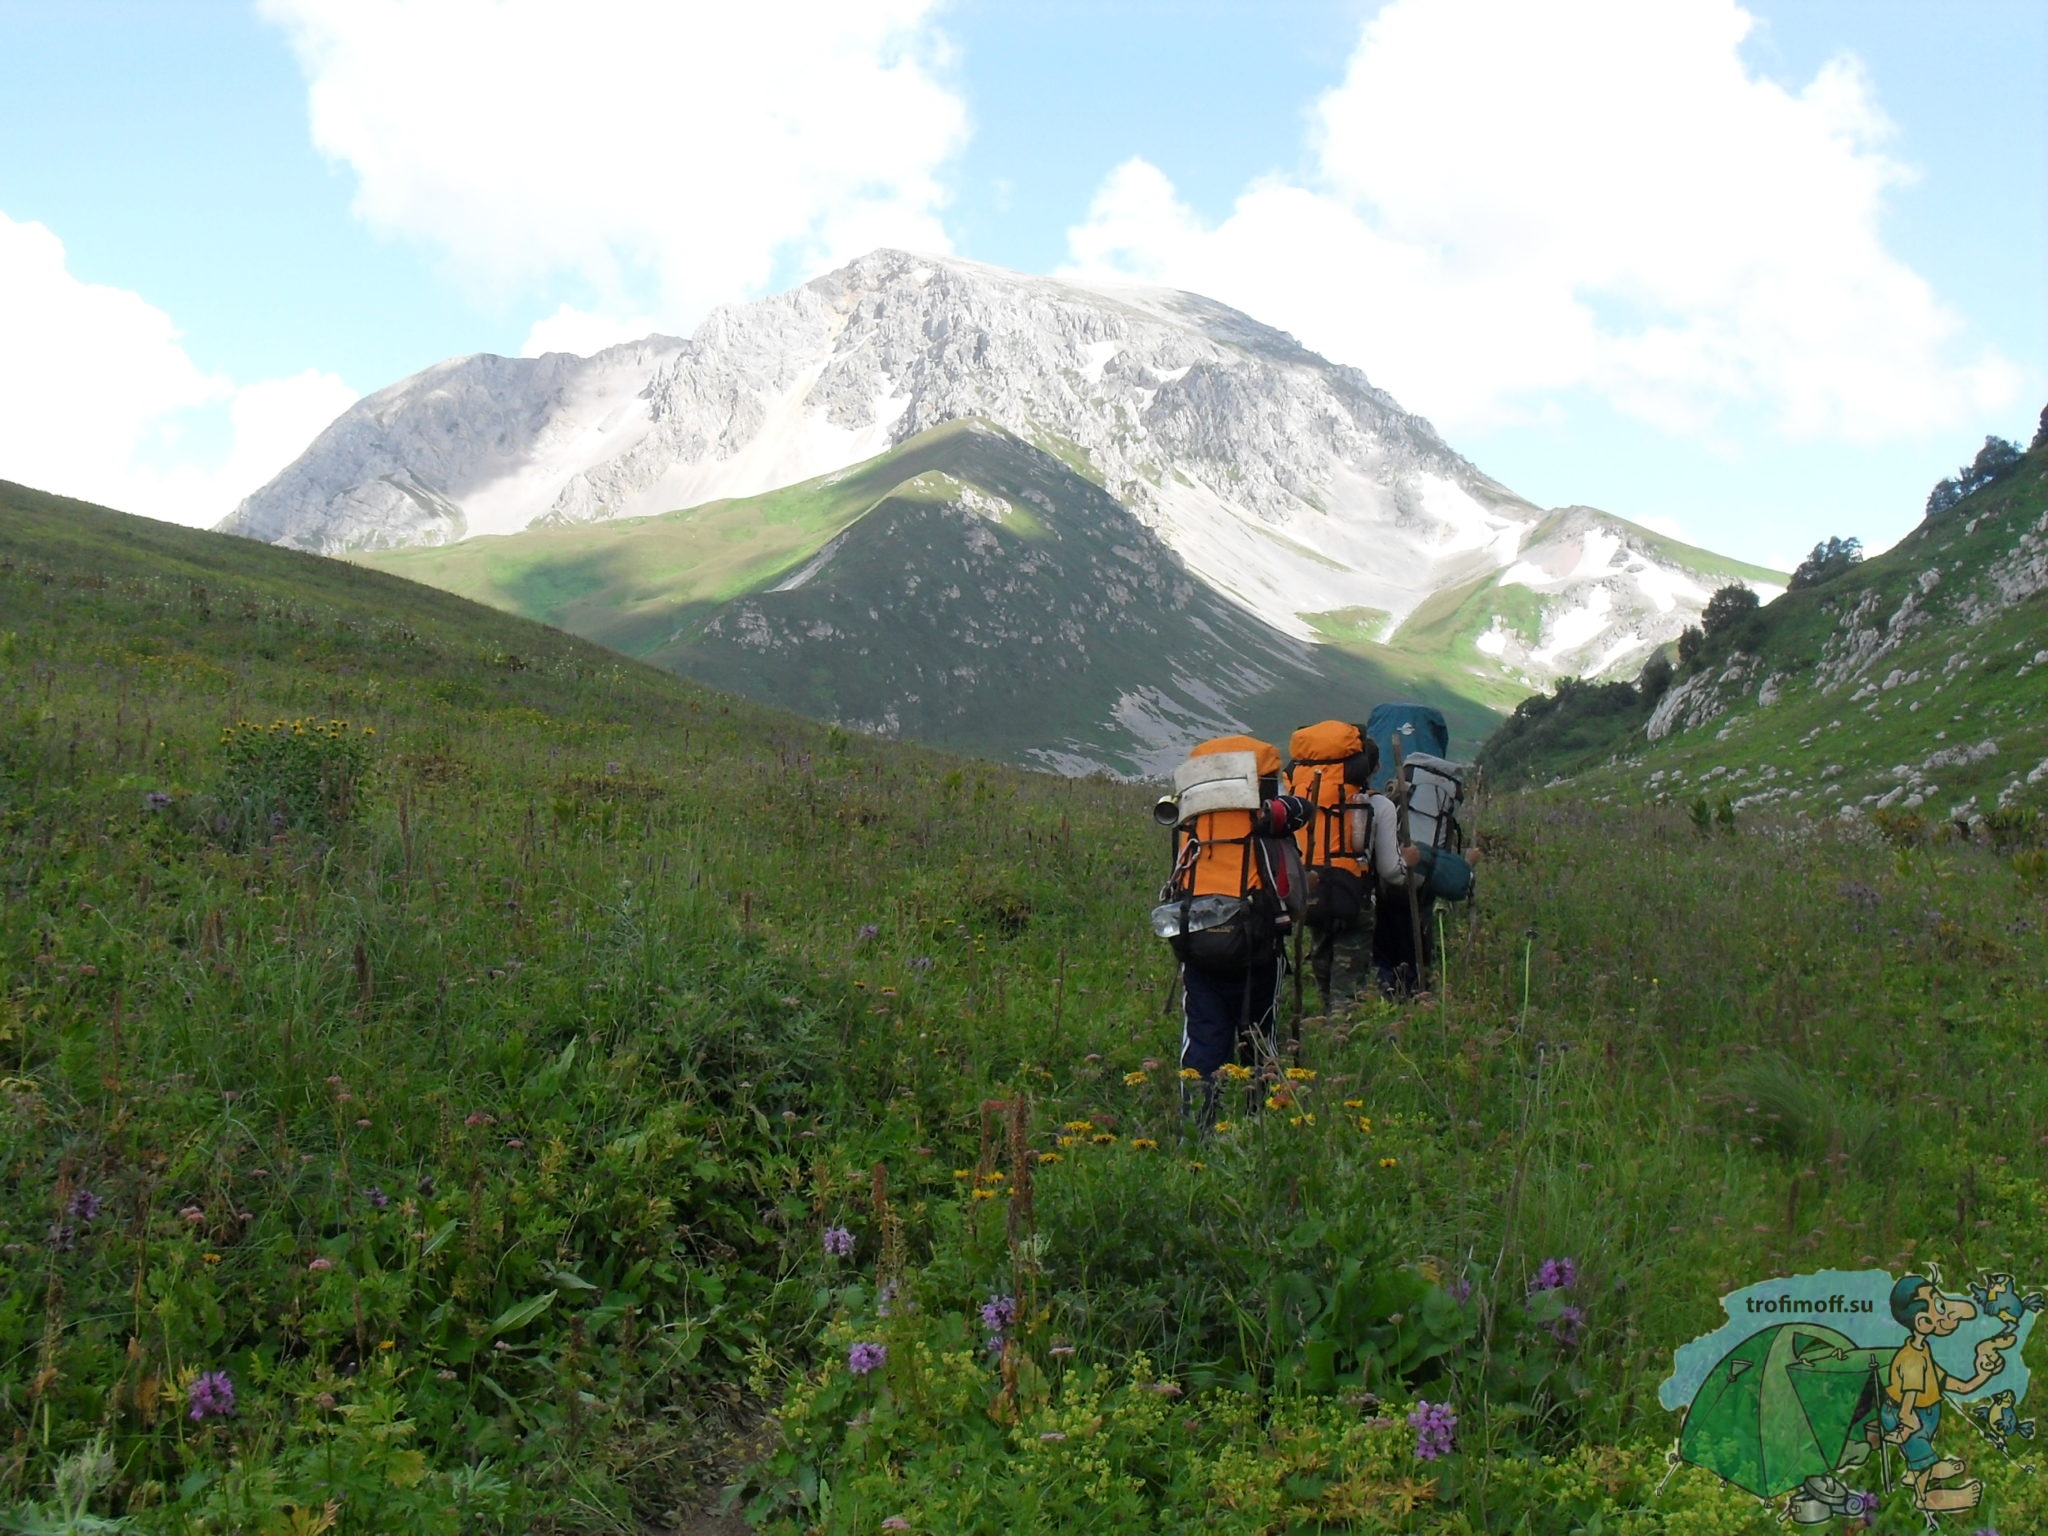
(456, 1078)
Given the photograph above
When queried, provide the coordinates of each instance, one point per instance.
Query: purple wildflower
(865, 1357)
(998, 1313)
(157, 800)
(838, 1242)
(212, 1396)
(84, 1205)
(1568, 1327)
(867, 933)
(63, 1237)
(1554, 1275)
(1435, 1426)
(376, 1196)
(922, 962)
(1460, 1289)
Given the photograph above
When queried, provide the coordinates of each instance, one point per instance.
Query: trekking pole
(1408, 879)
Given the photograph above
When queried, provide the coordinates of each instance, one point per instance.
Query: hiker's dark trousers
(1224, 1012)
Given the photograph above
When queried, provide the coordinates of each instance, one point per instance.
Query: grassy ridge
(642, 990)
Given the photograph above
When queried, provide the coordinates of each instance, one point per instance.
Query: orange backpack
(1232, 890)
(1315, 771)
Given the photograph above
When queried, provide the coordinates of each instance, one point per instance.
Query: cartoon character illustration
(1999, 1418)
(1802, 1407)
(1914, 1389)
(1997, 1296)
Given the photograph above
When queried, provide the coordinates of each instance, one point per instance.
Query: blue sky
(248, 214)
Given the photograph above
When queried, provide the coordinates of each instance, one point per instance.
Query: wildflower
(157, 800)
(1134, 1079)
(1051, 1157)
(1365, 1124)
(1162, 1388)
(922, 963)
(895, 1523)
(1354, 1103)
(209, 1258)
(999, 1313)
(1232, 1072)
(963, 1173)
(1053, 1436)
(211, 1396)
(1190, 1075)
(1198, 1167)
(1103, 1139)
(1568, 1327)
(868, 931)
(362, 1125)
(1435, 1426)
(1224, 1127)
(377, 1198)
(515, 1143)
(83, 1205)
(993, 1176)
(1554, 1275)
(1144, 1144)
(1301, 1074)
(1060, 1351)
(387, 1344)
(1460, 1289)
(865, 1357)
(1279, 1101)
(1301, 1120)
(1389, 1162)
(838, 1242)
(1069, 1141)
(320, 1264)
(1079, 1127)
(983, 1194)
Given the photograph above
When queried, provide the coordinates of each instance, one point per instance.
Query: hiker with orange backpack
(1235, 891)
(1352, 846)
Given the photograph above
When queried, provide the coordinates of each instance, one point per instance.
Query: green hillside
(1913, 685)
(969, 591)
(530, 1084)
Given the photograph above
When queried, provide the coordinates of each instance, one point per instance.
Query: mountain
(966, 589)
(1283, 483)
(1915, 683)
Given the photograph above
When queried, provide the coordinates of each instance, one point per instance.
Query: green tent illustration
(1781, 1406)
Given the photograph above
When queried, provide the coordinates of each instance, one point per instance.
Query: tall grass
(484, 1131)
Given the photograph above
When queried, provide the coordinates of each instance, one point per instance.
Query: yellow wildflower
(1134, 1079)
(963, 1173)
(1198, 1167)
(993, 1176)
(1190, 1075)
(210, 1258)
(1354, 1103)
(1103, 1139)
(1301, 1074)
(1144, 1144)
(1223, 1127)
(1301, 1120)
(1068, 1141)
(1365, 1124)
(1079, 1127)
(1387, 1162)
(1050, 1157)
(1235, 1073)
(983, 1194)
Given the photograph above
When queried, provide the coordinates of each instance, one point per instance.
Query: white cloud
(570, 329)
(97, 393)
(1514, 198)
(666, 156)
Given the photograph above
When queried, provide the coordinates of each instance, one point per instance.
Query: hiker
(1349, 841)
(1910, 1410)
(1235, 890)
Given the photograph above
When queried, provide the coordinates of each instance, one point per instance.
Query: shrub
(303, 775)
(1727, 608)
